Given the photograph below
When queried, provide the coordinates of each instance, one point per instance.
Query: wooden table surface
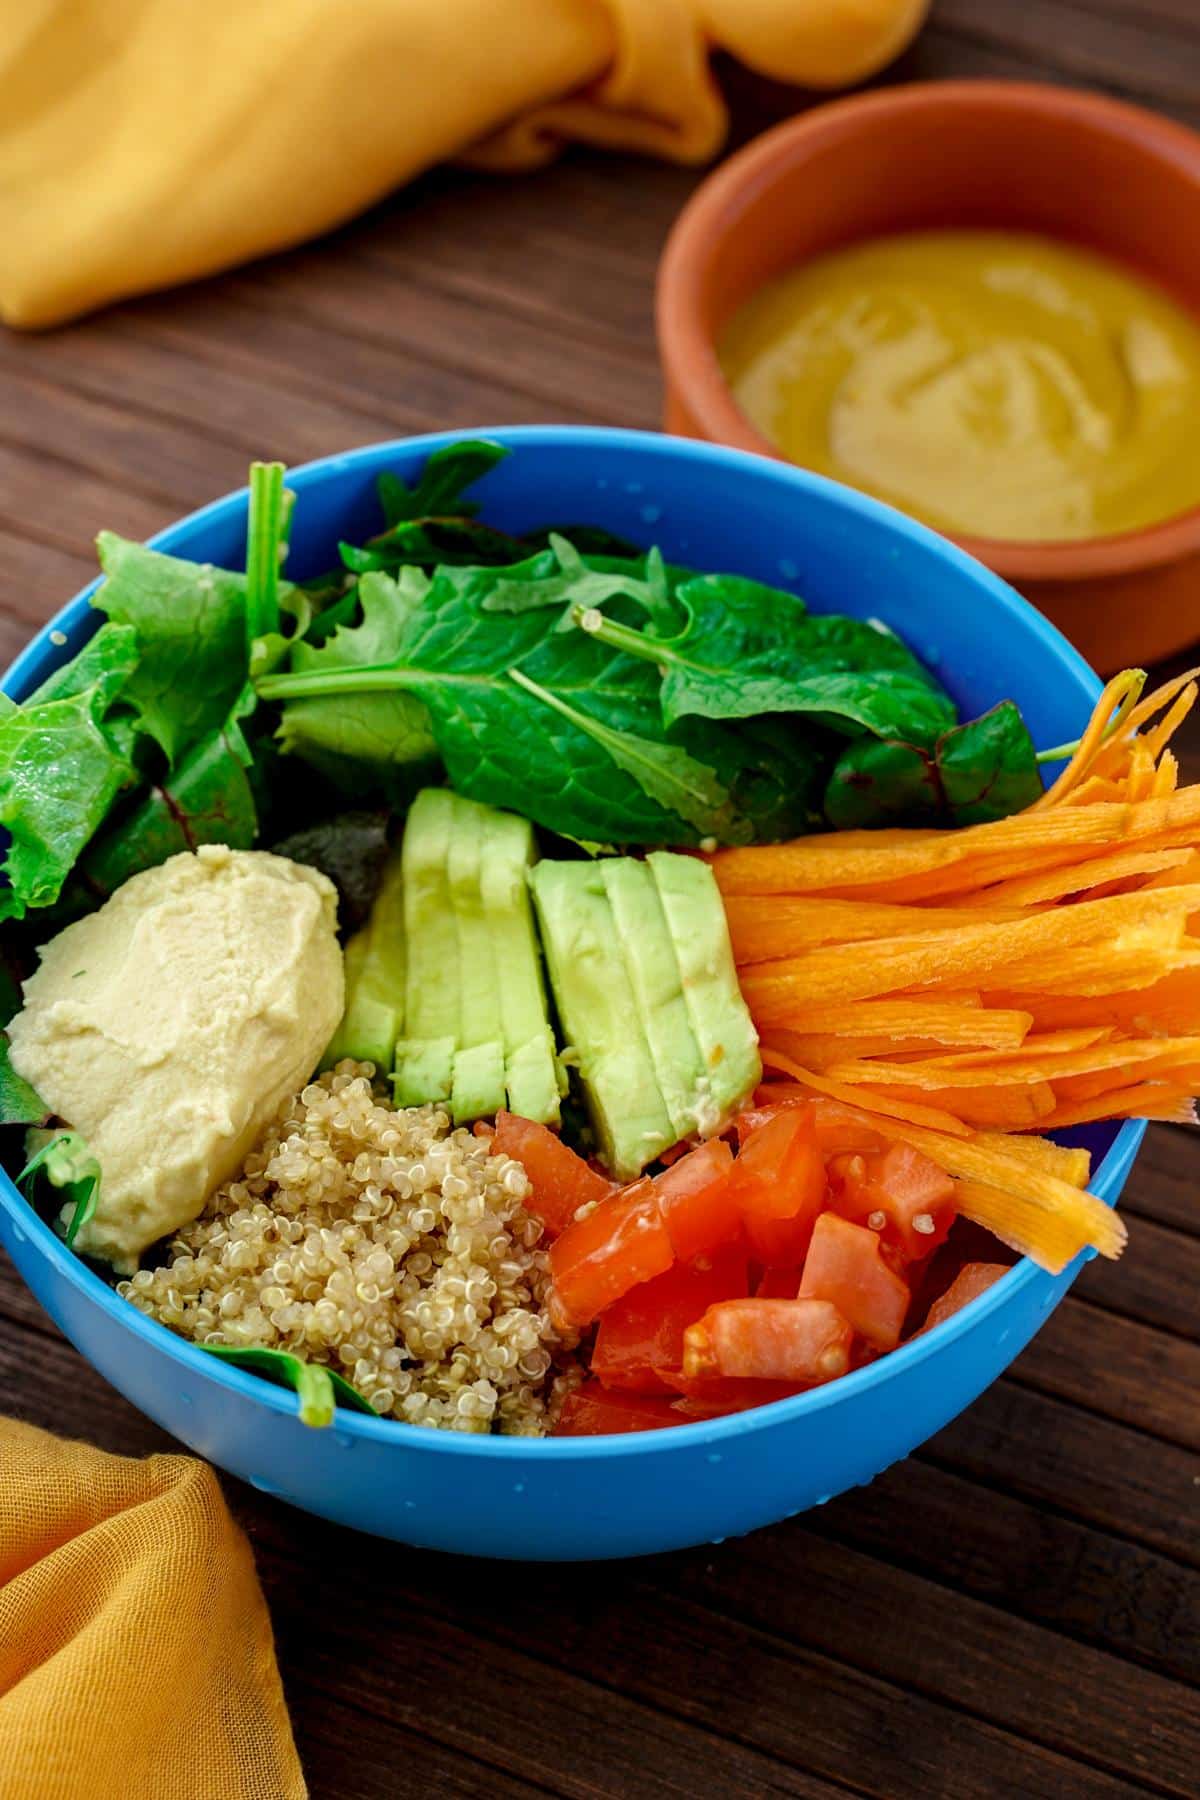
(1016, 1610)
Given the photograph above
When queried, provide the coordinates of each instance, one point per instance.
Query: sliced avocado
(533, 1079)
(599, 1015)
(531, 1074)
(479, 1020)
(432, 989)
(424, 1070)
(478, 1083)
(653, 970)
(720, 1019)
(374, 962)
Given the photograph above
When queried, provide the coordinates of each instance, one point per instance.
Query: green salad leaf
(60, 771)
(747, 650)
(319, 1390)
(63, 1159)
(20, 1104)
(984, 769)
(190, 621)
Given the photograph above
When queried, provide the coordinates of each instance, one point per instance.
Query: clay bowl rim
(711, 220)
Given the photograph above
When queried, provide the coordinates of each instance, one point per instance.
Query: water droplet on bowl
(410, 1505)
(186, 1400)
(635, 487)
(822, 1499)
(651, 514)
(264, 1487)
(1004, 1337)
(788, 569)
(714, 1456)
(18, 1234)
(518, 1487)
(343, 1440)
(716, 1540)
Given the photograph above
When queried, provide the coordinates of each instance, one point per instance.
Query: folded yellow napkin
(144, 142)
(136, 1660)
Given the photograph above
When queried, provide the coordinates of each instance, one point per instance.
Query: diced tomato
(483, 1128)
(778, 1186)
(591, 1411)
(899, 1193)
(561, 1181)
(839, 1128)
(642, 1333)
(698, 1208)
(844, 1266)
(778, 1284)
(601, 1256)
(720, 1393)
(769, 1340)
(972, 1280)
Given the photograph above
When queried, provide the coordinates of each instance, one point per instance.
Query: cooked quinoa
(386, 1245)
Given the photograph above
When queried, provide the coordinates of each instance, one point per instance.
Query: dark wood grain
(1013, 1612)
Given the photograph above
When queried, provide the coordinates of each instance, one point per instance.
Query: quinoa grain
(385, 1245)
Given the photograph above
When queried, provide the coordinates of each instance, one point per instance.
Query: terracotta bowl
(966, 153)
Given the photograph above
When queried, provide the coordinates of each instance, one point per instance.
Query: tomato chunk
(845, 1267)
(601, 1256)
(642, 1333)
(710, 1395)
(839, 1128)
(769, 1340)
(778, 1185)
(591, 1411)
(778, 1283)
(561, 1181)
(697, 1205)
(972, 1280)
(899, 1193)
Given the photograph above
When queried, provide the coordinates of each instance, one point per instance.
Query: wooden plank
(980, 1541)
(1156, 1281)
(36, 580)
(347, 1752)
(1119, 1368)
(1063, 1457)
(1106, 52)
(1162, 1185)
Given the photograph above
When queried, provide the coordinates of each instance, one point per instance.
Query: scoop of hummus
(170, 1026)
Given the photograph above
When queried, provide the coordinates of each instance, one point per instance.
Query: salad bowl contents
(520, 983)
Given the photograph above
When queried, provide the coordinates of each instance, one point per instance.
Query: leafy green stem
(1064, 752)
(266, 534)
(621, 637)
(317, 1388)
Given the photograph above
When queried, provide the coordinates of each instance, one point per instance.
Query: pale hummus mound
(170, 1026)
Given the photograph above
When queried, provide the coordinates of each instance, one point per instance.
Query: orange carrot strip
(1072, 1165)
(1051, 1238)
(865, 1102)
(982, 1108)
(1035, 890)
(1159, 1053)
(1036, 1044)
(958, 1022)
(1146, 1100)
(1117, 693)
(763, 929)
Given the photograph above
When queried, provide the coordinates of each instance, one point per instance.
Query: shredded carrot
(869, 1103)
(1116, 696)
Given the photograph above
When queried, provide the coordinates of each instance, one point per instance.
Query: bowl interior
(718, 509)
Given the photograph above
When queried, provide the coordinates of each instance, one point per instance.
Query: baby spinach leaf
(499, 742)
(989, 767)
(60, 771)
(318, 1389)
(190, 620)
(20, 1104)
(880, 781)
(773, 769)
(664, 772)
(430, 543)
(561, 577)
(748, 649)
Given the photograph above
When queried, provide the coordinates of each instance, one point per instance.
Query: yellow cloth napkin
(136, 1660)
(144, 142)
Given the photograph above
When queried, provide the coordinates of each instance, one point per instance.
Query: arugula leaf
(60, 771)
(190, 620)
(318, 1389)
(20, 1104)
(748, 649)
(499, 742)
(561, 577)
(989, 767)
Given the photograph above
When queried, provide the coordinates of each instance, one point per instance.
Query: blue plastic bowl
(614, 1496)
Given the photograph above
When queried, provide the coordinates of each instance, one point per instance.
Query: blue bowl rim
(1021, 1277)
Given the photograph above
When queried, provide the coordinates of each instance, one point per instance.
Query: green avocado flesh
(374, 963)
